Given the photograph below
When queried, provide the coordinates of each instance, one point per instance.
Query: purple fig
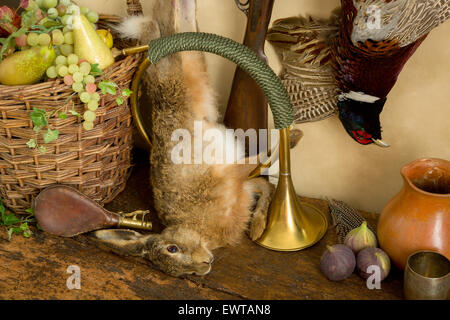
(360, 238)
(373, 257)
(337, 262)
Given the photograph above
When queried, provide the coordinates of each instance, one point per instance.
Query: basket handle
(134, 8)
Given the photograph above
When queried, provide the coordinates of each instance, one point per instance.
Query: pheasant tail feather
(302, 43)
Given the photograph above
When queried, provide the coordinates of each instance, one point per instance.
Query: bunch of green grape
(62, 41)
(61, 12)
(77, 73)
(62, 8)
(67, 65)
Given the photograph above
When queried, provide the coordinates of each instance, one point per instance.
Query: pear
(107, 37)
(27, 66)
(89, 45)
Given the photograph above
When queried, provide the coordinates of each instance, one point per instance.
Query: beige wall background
(328, 163)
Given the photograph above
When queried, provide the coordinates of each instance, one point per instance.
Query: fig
(360, 238)
(337, 262)
(373, 257)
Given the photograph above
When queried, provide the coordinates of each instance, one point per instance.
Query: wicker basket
(96, 162)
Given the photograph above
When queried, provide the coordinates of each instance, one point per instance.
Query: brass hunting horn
(292, 225)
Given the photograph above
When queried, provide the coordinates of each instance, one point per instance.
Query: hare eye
(172, 249)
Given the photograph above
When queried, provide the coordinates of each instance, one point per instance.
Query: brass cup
(427, 276)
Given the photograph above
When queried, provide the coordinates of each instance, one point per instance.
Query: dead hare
(203, 206)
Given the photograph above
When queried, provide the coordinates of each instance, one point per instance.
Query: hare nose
(208, 260)
(202, 257)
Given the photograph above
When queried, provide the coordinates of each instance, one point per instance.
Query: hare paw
(258, 220)
(257, 225)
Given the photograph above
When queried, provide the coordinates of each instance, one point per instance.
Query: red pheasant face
(362, 137)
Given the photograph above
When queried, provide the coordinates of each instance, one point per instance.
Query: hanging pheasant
(350, 62)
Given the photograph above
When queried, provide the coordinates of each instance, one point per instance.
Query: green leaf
(46, 25)
(6, 45)
(23, 226)
(28, 19)
(9, 219)
(74, 113)
(62, 115)
(95, 70)
(39, 117)
(18, 33)
(127, 92)
(50, 135)
(2, 207)
(32, 144)
(42, 149)
(16, 230)
(108, 87)
(120, 101)
(9, 42)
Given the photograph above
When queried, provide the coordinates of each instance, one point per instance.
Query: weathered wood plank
(36, 268)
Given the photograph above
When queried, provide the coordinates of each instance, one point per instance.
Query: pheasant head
(359, 115)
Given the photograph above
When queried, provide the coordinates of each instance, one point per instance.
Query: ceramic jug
(418, 217)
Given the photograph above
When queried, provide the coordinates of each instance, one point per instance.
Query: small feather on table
(345, 218)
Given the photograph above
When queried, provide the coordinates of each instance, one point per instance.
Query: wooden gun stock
(247, 106)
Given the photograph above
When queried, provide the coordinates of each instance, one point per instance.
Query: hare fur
(203, 206)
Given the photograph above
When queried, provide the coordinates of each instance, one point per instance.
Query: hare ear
(123, 242)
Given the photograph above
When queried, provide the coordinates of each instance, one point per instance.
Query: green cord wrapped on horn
(241, 55)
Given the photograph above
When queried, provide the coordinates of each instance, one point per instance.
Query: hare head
(176, 251)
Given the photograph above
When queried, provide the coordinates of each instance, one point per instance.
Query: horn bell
(292, 225)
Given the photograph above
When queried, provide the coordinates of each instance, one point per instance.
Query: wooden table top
(36, 268)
